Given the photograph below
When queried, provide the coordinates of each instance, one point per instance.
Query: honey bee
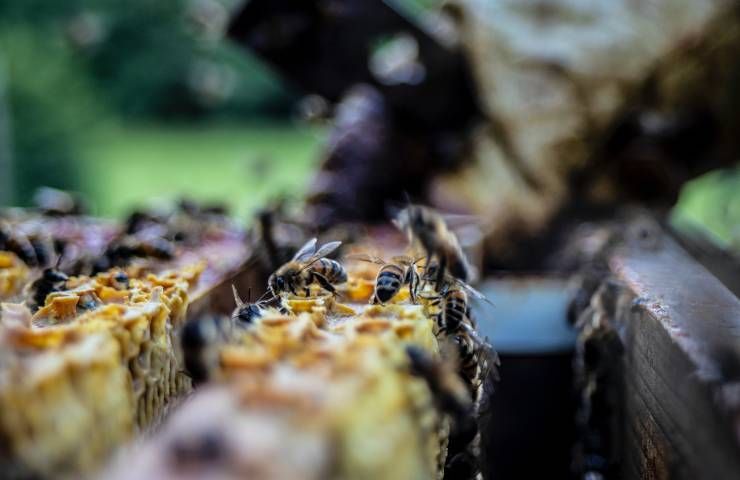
(51, 280)
(245, 313)
(307, 266)
(451, 395)
(446, 386)
(120, 252)
(392, 276)
(455, 324)
(440, 244)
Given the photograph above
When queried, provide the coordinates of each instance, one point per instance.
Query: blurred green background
(142, 99)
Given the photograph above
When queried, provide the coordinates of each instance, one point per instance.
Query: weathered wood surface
(680, 327)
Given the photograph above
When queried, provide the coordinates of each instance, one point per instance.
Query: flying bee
(307, 266)
(430, 230)
(392, 276)
(51, 280)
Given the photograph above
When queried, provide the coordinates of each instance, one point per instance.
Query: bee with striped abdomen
(308, 266)
(392, 276)
(455, 324)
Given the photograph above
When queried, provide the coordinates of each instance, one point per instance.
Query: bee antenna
(239, 301)
(262, 298)
(407, 197)
(249, 294)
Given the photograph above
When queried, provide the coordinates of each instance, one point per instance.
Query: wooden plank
(680, 338)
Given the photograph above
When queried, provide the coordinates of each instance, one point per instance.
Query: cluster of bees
(436, 277)
(145, 236)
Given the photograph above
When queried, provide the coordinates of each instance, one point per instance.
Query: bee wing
(363, 257)
(325, 250)
(459, 220)
(475, 293)
(305, 251)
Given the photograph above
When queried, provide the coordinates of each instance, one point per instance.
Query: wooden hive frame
(657, 367)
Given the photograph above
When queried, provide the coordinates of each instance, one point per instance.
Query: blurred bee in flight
(441, 246)
(392, 276)
(308, 266)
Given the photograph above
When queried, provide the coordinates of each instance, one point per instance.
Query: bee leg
(425, 275)
(413, 287)
(441, 273)
(325, 284)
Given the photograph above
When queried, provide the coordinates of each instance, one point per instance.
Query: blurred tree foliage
(166, 59)
(49, 102)
(72, 64)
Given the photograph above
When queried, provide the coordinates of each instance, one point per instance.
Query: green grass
(248, 165)
(244, 165)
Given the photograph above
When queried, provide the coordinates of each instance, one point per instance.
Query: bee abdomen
(468, 358)
(388, 283)
(455, 311)
(331, 269)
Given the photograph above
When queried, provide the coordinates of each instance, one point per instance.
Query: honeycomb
(324, 392)
(89, 369)
(13, 275)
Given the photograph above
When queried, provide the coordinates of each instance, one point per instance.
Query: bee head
(248, 313)
(54, 275)
(121, 278)
(277, 283)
